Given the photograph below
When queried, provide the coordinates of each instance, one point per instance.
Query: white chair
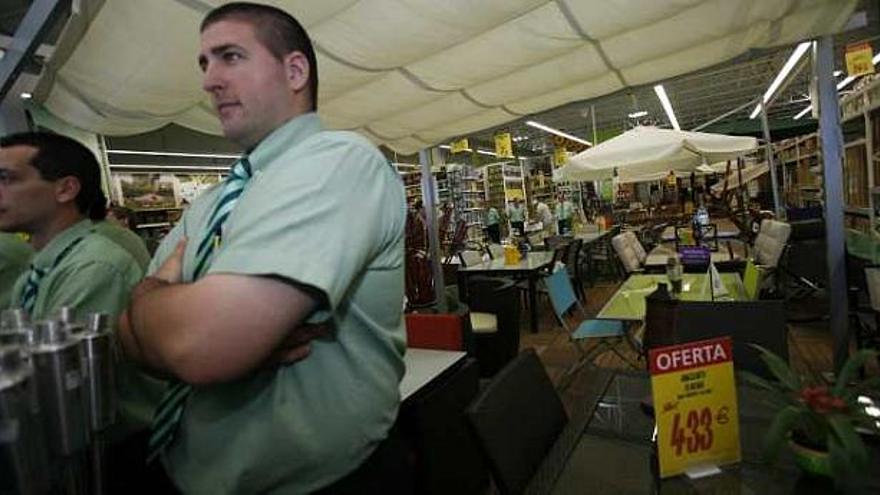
(471, 258)
(768, 249)
(630, 251)
(496, 250)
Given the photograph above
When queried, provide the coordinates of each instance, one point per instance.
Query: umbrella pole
(777, 208)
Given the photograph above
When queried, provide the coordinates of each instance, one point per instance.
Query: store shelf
(857, 211)
(857, 142)
(153, 225)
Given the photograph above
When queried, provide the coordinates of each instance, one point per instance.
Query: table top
(628, 303)
(615, 453)
(424, 365)
(534, 261)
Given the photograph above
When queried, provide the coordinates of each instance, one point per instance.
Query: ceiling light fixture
(171, 153)
(26, 96)
(538, 125)
(636, 115)
(789, 65)
(842, 84)
(667, 106)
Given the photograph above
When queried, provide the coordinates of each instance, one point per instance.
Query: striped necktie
(31, 286)
(170, 409)
(28, 300)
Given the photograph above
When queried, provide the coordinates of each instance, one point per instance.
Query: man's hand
(297, 345)
(171, 270)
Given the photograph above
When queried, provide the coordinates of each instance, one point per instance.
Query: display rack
(860, 120)
(152, 224)
(799, 160)
(467, 193)
(503, 182)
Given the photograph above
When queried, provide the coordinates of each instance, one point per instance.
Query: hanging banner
(859, 59)
(695, 406)
(459, 146)
(503, 145)
(560, 156)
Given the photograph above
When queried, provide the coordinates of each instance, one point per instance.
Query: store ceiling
(696, 97)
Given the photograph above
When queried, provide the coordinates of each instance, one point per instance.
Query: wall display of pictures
(146, 191)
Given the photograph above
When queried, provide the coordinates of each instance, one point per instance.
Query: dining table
(531, 267)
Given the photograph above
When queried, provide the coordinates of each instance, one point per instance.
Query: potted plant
(818, 422)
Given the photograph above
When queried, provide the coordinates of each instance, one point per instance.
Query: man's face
(248, 85)
(26, 199)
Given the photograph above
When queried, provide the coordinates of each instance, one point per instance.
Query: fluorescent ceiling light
(667, 106)
(171, 153)
(842, 84)
(789, 65)
(538, 125)
(482, 152)
(26, 96)
(837, 73)
(171, 167)
(485, 152)
(636, 115)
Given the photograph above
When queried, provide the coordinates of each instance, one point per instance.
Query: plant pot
(811, 461)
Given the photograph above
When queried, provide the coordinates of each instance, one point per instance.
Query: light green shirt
(516, 214)
(564, 210)
(96, 275)
(126, 239)
(322, 210)
(492, 217)
(15, 255)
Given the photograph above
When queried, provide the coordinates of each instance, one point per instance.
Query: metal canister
(96, 343)
(24, 466)
(58, 368)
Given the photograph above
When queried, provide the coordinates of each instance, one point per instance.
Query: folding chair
(607, 333)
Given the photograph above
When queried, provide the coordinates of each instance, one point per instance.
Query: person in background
(493, 224)
(116, 227)
(564, 214)
(516, 214)
(50, 188)
(542, 211)
(15, 256)
(275, 304)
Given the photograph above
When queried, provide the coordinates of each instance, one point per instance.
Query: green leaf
(783, 423)
(839, 460)
(852, 443)
(779, 368)
(850, 368)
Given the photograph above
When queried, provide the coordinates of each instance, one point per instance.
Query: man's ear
(297, 69)
(67, 189)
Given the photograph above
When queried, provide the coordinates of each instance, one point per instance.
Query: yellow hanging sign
(695, 406)
(503, 145)
(459, 146)
(859, 59)
(560, 156)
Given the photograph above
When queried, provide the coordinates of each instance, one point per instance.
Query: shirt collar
(46, 256)
(282, 138)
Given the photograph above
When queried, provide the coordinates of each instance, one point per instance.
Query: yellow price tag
(560, 157)
(503, 145)
(459, 146)
(859, 59)
(695, 405)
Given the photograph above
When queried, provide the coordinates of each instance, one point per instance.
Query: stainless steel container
(24, 466)
(96, 343)
(13, 318)
(58, 368)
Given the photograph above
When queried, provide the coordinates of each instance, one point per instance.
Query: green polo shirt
(492, 217)
(516, 214)
(96, 275)
(126, 239)
(15, 256)
(564, 210)
(322, 210)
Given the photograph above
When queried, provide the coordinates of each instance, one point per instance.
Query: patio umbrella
(646, 152)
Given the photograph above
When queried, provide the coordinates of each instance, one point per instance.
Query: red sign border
(725, 342)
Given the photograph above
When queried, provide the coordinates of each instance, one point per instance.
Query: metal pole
(869, 154)
(743, 192)
(769, 147)
(27, 38)
(593, 119)
(832, 148)
(428, 194)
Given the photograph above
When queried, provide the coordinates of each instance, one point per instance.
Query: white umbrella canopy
(646, 152)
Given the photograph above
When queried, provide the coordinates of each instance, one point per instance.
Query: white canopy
(645, 152)
(414, 73)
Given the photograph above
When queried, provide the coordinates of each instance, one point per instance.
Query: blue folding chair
(607, 334)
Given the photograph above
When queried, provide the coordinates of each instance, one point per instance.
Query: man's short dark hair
(60, 156)
(277, 30)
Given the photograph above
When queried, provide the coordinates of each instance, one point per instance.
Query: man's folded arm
(218, 329)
